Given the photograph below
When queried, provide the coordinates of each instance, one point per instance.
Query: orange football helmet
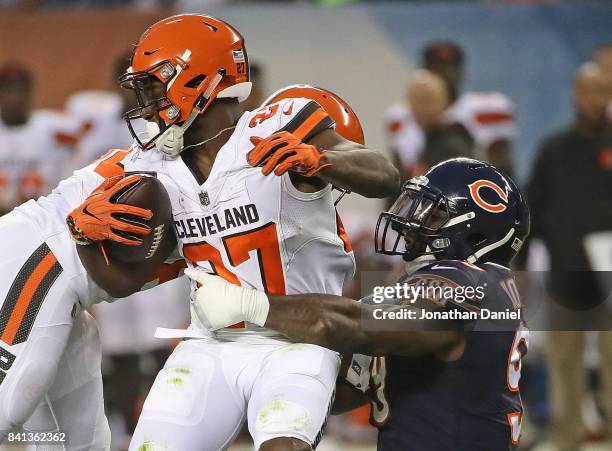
(197, 58)
(347, 123)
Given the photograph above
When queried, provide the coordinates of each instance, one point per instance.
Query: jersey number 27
(262, 239)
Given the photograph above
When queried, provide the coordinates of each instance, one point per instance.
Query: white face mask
(170, 141)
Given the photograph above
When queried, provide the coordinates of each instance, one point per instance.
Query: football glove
(283, 151)
(356, 371)
(219, 303)
(94, 220)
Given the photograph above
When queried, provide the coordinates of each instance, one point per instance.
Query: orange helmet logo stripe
(475, 193)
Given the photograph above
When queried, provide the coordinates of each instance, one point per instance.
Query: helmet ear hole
(195, 81)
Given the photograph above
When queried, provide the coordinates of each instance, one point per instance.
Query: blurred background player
(580, 155)
(100, 115)
(428, 99)
(36, 147)
(487, 116)
(603, 57)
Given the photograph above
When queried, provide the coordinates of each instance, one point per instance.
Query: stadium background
(364, 51)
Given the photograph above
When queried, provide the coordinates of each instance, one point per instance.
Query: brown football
(147, 193)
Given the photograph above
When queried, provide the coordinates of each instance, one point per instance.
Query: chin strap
(486, 249)
(170, 141)
(201, 143)
(343, 192)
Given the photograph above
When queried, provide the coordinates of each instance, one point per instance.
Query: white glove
(219, 303)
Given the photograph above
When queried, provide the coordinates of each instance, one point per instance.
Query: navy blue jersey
(472, 403)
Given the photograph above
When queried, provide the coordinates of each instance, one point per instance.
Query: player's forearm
(335, 322)
(325, 320)
(363, 171)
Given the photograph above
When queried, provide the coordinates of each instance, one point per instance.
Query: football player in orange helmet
(189, 74)
(183, 63)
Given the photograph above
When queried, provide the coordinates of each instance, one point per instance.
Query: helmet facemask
(168, 127)
(411, 226)
(146, 88)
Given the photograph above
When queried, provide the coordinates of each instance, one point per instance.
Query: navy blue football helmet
(461, 209)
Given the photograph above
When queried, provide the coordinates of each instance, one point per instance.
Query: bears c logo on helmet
(475, 193)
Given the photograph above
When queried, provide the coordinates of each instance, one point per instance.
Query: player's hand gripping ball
(283, 151)
(130, 215)
(97, 218)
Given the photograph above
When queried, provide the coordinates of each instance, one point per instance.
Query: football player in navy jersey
(448, 383)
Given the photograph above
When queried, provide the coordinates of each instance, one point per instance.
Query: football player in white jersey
(251, 200)
(488, 116)
(49, 344)
(34, 145)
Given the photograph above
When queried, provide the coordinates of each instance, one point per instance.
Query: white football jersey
(255, 230)
(404, 137)
(488, 116)
(33, 156)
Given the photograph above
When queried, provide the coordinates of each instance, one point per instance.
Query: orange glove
(93, 220)
(282, 152)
